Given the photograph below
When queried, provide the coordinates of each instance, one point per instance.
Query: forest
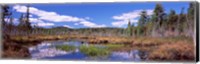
(167, 36)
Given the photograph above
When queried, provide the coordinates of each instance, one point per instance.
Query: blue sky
(82, 15)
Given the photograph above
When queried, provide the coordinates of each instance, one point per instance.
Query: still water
(47, 50)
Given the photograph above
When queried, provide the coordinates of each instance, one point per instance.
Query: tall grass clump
(94, 51)
(66, 47)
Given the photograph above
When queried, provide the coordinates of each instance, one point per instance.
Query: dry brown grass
(173, 51)
(14, 50)
(174, 48)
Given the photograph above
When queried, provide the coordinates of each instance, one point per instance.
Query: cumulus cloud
(30, 15)
(67, 26)
(46, 15)
(39, 22)
(35, 20)
(54, 17)
(123, 22)
(14, 20)
(122, 19)
(90, 24)
(42, 24)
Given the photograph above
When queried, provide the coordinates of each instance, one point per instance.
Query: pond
(48, 50)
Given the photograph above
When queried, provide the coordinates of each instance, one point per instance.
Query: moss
(66, 47)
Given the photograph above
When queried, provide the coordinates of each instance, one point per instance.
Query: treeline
(24, 27)
(8, 26)
(161, 24)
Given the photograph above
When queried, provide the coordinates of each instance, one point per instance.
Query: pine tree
(27, 22)
(129, 29)
(172, 21)
(5, 15)
(191, 10)
(133, 29)
(24, 23)
(143, 18)
(158, 11)
(158, 16)
(190, 19)
(182, 21)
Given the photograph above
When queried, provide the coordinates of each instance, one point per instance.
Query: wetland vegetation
(163, 36)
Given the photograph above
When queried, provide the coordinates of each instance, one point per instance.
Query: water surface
(47, 50)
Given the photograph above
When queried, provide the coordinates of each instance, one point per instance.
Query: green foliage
(158, 23)
(94, 51)
(191, 10)
(158, 9)
(114, 46)
(143, 18)
(66, 47)
(129, 29)
(173, 20)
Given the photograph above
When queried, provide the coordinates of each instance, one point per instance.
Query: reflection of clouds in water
(122, 54)
(134, 55)
(45, 49)
(48, 52)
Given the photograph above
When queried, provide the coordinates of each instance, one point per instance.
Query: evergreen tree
(158, 17)
(182, 21)
(27, 22)
(173, 20)
(24, 23)
(143, 18)
(129, 29)
(191, 10)
(5, 15)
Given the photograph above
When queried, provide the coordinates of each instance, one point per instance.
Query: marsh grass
(114, 46)
(163, 48)
(93, 51)
(173, 51)
(66, 47)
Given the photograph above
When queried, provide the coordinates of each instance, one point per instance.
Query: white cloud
(35, 20)
(123, 18)
(54, 17)
(67, 26)
(45, 15)
(15, 20)
(122, 23)
(90, 24)
(42, 24)
(131, 15)
(30, 15)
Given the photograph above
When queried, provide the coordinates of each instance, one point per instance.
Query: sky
(90, 15)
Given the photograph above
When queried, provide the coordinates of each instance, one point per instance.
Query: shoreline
(157, 47)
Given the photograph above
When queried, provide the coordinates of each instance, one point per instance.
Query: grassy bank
(165, 48)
